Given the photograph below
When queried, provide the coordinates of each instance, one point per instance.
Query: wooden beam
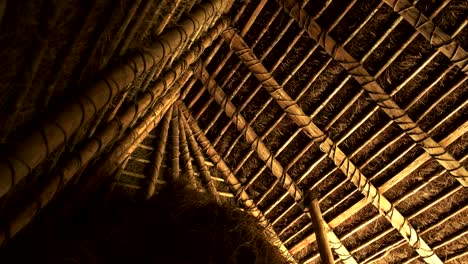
(122, 149)
(322, 241)
(175, 131)
(18, 162)
(158, 155)
(341, 160)
(230, 178)
(436, 36)
(200, 160)
(376, 92)
(264, 153)
(355, 208)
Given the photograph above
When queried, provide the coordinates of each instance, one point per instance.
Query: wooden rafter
(200, 160)
(69, 168)
(458, 132)
(230, 178)
(264, 153)
(438, 38)
(416, 164)
(376, 92)
(187, 165)
(213, 52)
(158, 155)
(41, 143)
(175, 131)
(385, 207)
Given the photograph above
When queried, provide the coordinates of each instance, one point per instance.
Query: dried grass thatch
(361, 103)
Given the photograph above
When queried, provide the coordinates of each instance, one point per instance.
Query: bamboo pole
(317, 220)
(154, 18)
(458, 132)
(227, 56)
(192, 55)
(19, 161)
(417, 163)
(438, 38)
(448, 92)
(159, 155)
(288, 78)
(376, 92)
(185, 153)
(385, 207)
(175, 4)
(72, 165)
(214, 51)
(175, 144)
(129, 16)
(189, 59)
(264, 153)
(231, 180)
(200, 160)
(136, 26)
(265, 105)
(398, 244)
(381, 130)
(166, 63)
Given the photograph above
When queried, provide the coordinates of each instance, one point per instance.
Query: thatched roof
(361, 103)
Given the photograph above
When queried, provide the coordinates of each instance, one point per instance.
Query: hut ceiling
(362, 103)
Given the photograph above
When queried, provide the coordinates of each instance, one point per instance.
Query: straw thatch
(263, 104)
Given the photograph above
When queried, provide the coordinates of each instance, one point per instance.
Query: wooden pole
(200, 160)
(436, 36)
(231, 180)
(354, 209)
(322, 240)
(21, 159)
(159, 155)
(175, 144)
(373, 89)
(120, 152)
(265, 154)
(185, 153)
(327, 145)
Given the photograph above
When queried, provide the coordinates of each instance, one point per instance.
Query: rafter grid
(349, 93)
(373, 140)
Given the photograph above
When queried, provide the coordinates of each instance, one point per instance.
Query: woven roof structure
(361, 103)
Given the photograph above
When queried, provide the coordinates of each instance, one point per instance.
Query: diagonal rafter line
(376, 92)
(264, 153)
(32, 150)
(191, 126)
(416, 164)
(200, 160)
(341, 160)
(436, 36)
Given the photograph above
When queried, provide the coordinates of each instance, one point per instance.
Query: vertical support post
(317, 221)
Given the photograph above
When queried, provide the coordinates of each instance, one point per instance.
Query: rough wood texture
(438, 38)
(376, 92)
(200, 161)
(231, 179)
(175, 144)
(385, 207)
(264, 153)
(39, 144)
(187, 166)
(159, 155)
(71, 166)
(317, 220)
(416, 164)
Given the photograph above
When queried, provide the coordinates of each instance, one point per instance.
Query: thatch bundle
(256, 104)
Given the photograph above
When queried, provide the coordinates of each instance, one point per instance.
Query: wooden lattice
(362, 103)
